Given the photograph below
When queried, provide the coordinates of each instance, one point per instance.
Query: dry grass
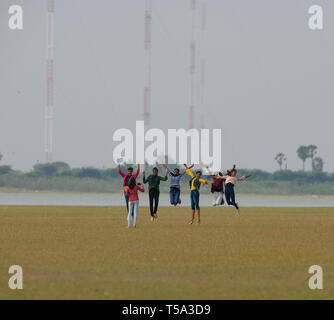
(88, 253)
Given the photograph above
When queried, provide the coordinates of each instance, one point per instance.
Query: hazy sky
(270, 79)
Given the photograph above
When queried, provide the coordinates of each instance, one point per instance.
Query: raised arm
(144, 177)
(168, 172)
(188, 171)
(137, 172)
(120, 171)
(210, 173)
(165, 178)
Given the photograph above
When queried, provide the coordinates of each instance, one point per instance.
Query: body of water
(94, 199)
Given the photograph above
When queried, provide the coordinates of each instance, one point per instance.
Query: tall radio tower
(192, 67)
(203, 63)
(48, 135)
(147, 44)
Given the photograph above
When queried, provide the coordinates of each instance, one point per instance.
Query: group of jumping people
(222, 183)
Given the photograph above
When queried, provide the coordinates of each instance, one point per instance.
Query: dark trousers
(154, 198)
(230, 195)
(194, 199)
(174, 195)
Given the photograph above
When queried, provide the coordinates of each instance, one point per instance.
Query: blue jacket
(175, 179)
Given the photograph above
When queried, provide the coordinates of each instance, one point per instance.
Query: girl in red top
(131, 192)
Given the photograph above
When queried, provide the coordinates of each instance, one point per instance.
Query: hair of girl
(132, 183)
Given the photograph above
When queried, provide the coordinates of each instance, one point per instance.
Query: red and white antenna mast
(203, 62)
(192, 68)
(147, 44)
(48, 135)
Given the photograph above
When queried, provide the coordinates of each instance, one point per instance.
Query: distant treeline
(59, 176)
(289, 175)
(62, 169)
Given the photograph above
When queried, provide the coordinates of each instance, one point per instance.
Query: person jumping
(175, 190)
(217, 189)
(126, 178)
(154, 191)
(230, 182)
(195, 184)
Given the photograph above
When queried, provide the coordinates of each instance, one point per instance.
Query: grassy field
(88, 253)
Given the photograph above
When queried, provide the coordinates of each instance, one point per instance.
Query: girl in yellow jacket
(195, 185)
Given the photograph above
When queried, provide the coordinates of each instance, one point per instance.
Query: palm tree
(303, 154)
(312, 150)
(280, 157)
(317, 164)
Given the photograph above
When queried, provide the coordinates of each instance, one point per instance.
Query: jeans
(174, 195)
(194, 199)
(127, 203)
(133, 212)
(154, 198)
(230, 196)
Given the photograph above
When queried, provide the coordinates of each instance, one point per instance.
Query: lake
(103, 199)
